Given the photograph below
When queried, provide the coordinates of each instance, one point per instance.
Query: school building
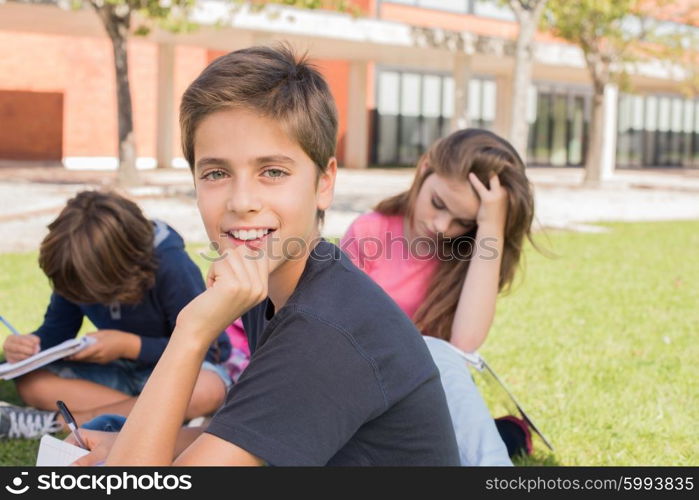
(403, 73)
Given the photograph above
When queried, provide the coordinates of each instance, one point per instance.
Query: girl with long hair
(444, 250)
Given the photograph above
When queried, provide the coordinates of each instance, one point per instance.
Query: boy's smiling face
(256, 186)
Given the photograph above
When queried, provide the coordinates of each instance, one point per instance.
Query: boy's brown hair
(273, 82)
(99, 250)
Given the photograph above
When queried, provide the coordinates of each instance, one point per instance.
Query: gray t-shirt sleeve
(307, 390)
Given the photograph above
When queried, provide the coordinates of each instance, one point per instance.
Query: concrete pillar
(608, 156)
(503, 107)
(461, 72)
(165, 112)
(357, 139)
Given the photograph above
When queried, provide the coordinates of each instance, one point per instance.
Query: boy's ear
(326, 185)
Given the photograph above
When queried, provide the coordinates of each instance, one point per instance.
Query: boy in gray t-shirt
(340, 375)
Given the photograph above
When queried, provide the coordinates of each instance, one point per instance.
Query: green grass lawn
(596, 343)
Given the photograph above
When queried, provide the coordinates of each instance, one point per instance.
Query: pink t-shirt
(376, 244)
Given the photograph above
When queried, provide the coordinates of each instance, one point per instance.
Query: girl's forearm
(476, 307)
(150, 435)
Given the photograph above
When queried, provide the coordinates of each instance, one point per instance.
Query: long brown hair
(99, 250)
(454, 157)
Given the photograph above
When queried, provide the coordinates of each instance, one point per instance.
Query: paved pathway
(31, 197)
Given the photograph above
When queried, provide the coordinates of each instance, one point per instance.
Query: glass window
(623, 130)
(474, 100)
(577, 132)
(414, 109)
(664, 114)
(410, 94)
(542, 129)
(636, 134)
(558, 131)
(688, 124)
(447, 97)
(651, 113)
(389, 94)
(624, 110)
(431, 93)
(637, 122)
(431, 109)
(489, 100)
(677, 115)
(532, 96)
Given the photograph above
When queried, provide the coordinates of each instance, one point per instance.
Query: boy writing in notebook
(131, 277)
(338, 375)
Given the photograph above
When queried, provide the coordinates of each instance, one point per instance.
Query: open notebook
(477, 361)
(56, 453)
(11, 370)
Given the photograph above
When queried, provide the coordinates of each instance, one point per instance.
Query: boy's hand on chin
(235, 284)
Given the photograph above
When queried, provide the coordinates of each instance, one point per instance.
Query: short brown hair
(274, 82)
(99, 250)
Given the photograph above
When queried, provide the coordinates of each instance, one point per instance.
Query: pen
(8, 325)
(70, 421)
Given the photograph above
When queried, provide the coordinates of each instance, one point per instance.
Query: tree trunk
(118, 29)
(522, 77)
(593, 159)
(528, 16)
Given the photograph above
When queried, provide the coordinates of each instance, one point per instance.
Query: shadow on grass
(8, 393)
(537, 460)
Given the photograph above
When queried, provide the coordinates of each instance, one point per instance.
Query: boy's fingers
(210, 276)
(257, 263)
(238, 260)
(21, 350)
(494, 182)
(85, 353)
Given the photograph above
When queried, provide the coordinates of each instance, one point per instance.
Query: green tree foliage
(613, 36)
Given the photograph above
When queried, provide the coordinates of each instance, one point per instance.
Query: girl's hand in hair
(492, 212)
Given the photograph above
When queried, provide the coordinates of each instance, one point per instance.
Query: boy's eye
(436, 204)
(467, 224)
(214, 175)
(274, 173)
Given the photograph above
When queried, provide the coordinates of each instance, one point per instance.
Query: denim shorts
(105, 423)
(122, 375)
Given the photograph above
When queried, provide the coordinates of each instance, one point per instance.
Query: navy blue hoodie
(177, 282)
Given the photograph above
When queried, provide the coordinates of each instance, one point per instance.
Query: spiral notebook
(9, 371)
